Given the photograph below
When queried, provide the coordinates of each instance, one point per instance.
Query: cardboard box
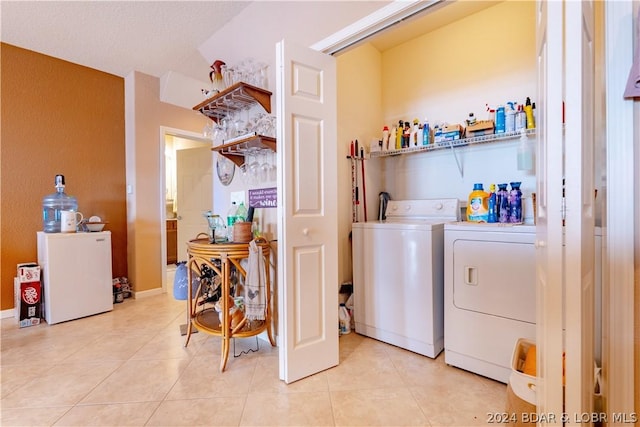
(480, 127)
(28, 292)
(448, 133)
(453, 128)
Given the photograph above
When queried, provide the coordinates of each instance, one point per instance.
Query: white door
(580, 222)
(194, 181)
(549, 222)
(307, 221)
(565, 265)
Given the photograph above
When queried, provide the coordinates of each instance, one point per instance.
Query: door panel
(579, 228)
(194, 179)
(307, 188)
(549, 230)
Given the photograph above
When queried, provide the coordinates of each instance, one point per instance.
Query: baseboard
(4, 314)
(149, 293)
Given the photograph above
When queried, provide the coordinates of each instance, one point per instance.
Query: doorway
(177, 143)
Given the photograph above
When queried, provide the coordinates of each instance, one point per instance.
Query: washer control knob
(439, 206)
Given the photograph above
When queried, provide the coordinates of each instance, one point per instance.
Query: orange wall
(58, 117)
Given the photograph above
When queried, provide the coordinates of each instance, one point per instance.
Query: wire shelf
(483, 139)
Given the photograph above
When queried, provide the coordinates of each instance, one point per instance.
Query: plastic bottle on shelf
(500, 119)
(426, 133)
(399, 132)
(406, 135)
(521, 119)
(54, 204)
(510, 118)
(515, 203)
(502, 203)
(528, 109)
(231, 219)
(413, 141)
(385, 138)
(493, 215)
(241, 213)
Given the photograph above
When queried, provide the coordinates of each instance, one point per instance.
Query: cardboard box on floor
(28, 294)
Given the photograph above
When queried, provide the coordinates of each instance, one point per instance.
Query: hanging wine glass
(273, 171)
(265, 166)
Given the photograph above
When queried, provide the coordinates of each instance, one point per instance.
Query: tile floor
(129, 367)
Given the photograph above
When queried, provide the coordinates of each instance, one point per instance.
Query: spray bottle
(521, 119)
(526, 153)
(500, 119)
(510, 118)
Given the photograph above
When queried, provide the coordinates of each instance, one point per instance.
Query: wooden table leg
(189, 301)
(225, 326)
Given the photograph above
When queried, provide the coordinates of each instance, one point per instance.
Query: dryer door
(495, 277)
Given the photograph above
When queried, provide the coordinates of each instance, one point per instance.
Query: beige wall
(359, 117)
(58, 118)
(485, 58)
(145, 115)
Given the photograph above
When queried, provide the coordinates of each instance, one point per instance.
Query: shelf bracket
(455, 156)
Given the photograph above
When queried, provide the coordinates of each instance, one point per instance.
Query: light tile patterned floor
(129, 367)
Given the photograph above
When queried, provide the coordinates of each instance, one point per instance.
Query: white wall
(254, 34)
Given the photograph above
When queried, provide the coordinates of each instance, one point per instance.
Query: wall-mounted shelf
(237, 148)
(236, 97)
(453, 144)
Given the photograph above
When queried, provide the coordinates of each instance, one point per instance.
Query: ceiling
(156, 37)
(117, 37)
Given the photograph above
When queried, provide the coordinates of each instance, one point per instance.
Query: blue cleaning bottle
(500, 119)
(426, 133)
(515, 203)
(493, 215)
(502, 203)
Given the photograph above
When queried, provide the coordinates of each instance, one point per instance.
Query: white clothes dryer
(490, 295)
(398, 274)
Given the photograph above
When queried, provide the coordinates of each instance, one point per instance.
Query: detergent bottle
(477, 208)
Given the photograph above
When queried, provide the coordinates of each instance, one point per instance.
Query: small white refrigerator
(76, 274)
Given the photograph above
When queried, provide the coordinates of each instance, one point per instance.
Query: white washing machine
(398, 274)
(490, 295)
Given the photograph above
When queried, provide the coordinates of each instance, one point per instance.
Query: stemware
(265, 166)
(254, 167)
